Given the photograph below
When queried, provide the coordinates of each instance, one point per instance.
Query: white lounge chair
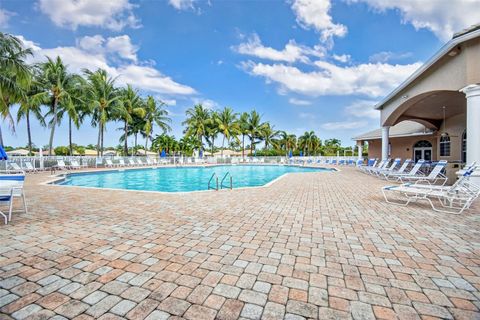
(381, 165)
(413, 172)
(11, 186)
(433, 177)
(15, 166)
(109, 163)
(29, 167)
(131, 162)
(121, 163)
(453, 199)
(74, 164)
(61, 165)
(396, 162)
(364, 168)
(401, 170)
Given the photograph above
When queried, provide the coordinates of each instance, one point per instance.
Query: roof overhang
(417, 134)
(449, 48)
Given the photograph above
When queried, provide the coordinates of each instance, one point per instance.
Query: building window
(464, 146)
(445, 145)
(422, 150)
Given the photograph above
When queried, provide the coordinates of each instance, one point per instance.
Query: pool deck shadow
(321, 246)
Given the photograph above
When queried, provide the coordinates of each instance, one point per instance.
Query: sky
(303, 64)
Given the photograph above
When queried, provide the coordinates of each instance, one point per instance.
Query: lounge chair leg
(394, 202)
(24, 202)
(10, 209)
(4, 217)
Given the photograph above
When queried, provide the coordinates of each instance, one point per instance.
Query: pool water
(182, 179)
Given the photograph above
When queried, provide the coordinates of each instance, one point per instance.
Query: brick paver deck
(312, 245)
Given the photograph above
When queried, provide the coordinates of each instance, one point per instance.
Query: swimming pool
(182, 179)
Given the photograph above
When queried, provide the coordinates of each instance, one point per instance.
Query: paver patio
(312, 245)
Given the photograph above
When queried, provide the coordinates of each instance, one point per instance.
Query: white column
(385, 131)
(472, 93)
(360, 149)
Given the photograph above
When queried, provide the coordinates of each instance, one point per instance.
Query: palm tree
(60, 87)
(254, 128)
(15, 75)
(31, 103)
(133, 107)
(104, 100)
(332, 145)
(269, 135)
(212, 130)
(309, 142)
(196, 122)
(155, 113)
(188, 144)
(76, 111)
(227, 125)
(243, 124)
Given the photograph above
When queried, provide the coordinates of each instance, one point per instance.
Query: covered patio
(443, 96)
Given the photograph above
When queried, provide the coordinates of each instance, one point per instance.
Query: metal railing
(214, 175)
(47, 162)
(223, 179)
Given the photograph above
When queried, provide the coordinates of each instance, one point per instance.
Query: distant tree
(197, 121)
(15, 75)
(62, 151)
(227, 125)
(155, 113)
(104, 100)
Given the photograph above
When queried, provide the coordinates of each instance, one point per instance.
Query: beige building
(435, 113)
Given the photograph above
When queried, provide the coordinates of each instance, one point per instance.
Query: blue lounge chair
(11, 186)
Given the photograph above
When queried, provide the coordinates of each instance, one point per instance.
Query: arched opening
(464, 146)
(444, 145)
(422, 150)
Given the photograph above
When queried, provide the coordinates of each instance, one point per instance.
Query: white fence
(48, 162)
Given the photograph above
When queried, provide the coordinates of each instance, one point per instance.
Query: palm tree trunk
(101, 148)
(54, 124)
(99, 136)
(213, 144)
(243, 146)
(1, 137)
(251, 146)
(70, 146)
(146, 144)
(223, 143)
(136, 136)
(29, 133)
(125, 146)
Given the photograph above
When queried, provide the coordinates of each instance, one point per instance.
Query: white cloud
(182, 4)
(316, 14)
(110, 14)
(120, 47)
(95, 52)
(207, 103)
(306, 115)
(368, 79)
(443, 18)
(123, 47)
(5, 16)
(363, 109)
(291, 53)
(299, 102)
(386, 56)
(344, 58)
(344, 125)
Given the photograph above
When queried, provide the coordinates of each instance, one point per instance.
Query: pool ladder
(227, 175)
(213, 182)
(214, 176)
